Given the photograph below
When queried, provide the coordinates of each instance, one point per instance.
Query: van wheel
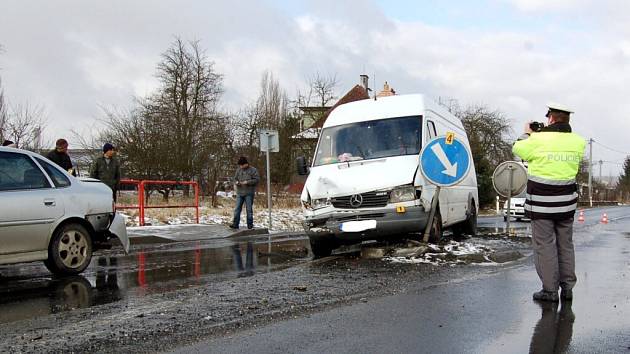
(70, 250)
(435, 234)
(322, 248)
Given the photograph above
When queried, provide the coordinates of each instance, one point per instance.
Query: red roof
(357, 93)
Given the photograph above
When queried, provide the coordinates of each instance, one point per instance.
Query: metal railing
(143, 204)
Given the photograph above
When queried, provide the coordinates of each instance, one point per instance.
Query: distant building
(387, 91)
(82, 160)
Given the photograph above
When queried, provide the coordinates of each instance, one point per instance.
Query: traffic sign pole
(509, 199)
(509, 179)
(269, 143)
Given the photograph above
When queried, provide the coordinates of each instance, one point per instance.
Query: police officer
(553, 155)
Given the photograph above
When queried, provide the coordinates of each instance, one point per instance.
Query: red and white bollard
(604, 219)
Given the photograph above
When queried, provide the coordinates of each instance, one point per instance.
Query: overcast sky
(512, 55)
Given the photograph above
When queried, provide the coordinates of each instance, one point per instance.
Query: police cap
(556, 107)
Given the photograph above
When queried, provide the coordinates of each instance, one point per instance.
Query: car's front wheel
(70, 250)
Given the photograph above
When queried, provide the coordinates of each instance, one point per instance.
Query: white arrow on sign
(451, 169)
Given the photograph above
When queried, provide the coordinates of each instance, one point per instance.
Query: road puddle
(114, 278)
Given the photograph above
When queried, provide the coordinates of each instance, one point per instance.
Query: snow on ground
(451, 253)
(282, 219)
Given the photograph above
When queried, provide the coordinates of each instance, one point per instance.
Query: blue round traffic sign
(445, 161)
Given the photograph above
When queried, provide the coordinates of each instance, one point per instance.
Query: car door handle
(49, 202)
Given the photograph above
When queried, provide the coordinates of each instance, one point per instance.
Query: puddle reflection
(110, 279)
(26, 298)
(248, 270)
(554, 330)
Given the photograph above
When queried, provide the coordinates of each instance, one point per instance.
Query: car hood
(88, 179)
(360, 176)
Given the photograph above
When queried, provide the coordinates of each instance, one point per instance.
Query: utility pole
(590, 172)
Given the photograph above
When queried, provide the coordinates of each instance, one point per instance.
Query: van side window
(431, 129)
(19, 172)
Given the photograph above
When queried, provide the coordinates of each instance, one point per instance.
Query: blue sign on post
(445, 161)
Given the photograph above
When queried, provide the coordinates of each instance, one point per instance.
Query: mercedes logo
(356, 200)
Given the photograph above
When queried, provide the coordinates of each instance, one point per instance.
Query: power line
(612, 162)
(611, 149)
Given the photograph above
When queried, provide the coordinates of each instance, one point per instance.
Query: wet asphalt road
(497, 299)
(489, 313)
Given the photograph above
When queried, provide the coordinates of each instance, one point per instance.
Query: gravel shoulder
(160, 322)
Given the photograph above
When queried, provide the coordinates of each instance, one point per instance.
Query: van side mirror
(302, 166)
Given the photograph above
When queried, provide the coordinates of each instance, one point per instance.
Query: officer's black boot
(544, 295)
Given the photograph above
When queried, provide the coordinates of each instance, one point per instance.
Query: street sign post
(269, 142)
(444, 161)
(508, 179)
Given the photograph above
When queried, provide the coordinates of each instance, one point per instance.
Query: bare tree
(25, 124)
(320, 91)
(489, 134)
(4, 119)
(178, 132)
(271, 110)
(324, 88)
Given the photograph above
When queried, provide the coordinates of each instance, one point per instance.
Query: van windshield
(369, 140)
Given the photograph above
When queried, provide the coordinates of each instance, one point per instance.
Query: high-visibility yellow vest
(553, 160)
(551, 155)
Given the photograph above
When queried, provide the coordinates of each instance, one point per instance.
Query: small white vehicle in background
(517, 208)
(48, 215)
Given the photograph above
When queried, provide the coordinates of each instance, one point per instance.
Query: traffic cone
(604, 219)
(581, 217)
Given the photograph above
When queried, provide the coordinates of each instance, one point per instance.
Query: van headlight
(402, 194)
(319, 203)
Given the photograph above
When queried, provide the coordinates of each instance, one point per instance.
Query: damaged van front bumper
(355, 225)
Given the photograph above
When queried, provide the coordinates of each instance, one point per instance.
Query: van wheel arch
(468, 226)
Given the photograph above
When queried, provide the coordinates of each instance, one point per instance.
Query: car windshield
(369, 140)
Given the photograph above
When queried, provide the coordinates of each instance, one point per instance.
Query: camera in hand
(536, 126)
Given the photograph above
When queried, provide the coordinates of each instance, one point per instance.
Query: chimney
(364, 82)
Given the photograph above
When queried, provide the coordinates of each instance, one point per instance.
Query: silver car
(48, 215)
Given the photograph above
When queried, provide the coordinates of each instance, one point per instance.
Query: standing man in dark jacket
(60, 156)
(107, 168)
(246, 178)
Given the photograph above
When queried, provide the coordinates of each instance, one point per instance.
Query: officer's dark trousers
(554, 255)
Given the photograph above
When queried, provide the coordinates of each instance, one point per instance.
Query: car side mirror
(302, 166)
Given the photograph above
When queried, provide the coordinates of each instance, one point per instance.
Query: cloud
(546, 5)
(72, 56)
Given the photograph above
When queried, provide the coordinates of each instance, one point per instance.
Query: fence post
(196, 185)
(141, 202)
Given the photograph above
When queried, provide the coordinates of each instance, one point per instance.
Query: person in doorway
(59, 155)
(553, 155)
(246, 179)
(106, 168)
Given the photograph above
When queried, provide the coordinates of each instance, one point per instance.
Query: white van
(364, 182)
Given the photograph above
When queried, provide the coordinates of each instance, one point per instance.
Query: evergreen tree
(624, 180)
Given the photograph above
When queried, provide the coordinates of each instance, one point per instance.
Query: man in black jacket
(60, 156)
(107, 168)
